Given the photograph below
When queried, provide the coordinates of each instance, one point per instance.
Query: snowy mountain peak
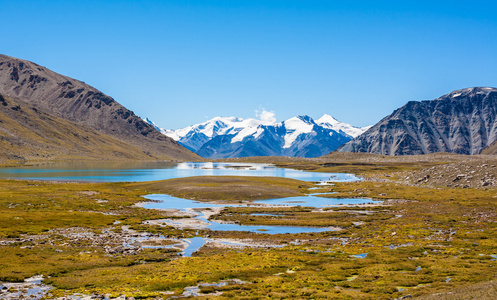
(223, 137)
(306, 119)
(327, 119)
(295, 127)
(329, 122)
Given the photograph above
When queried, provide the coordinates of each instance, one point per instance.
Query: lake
(151, 171)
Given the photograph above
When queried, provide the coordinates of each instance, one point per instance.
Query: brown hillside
(80, 103)
(27, 133)
(490, 149)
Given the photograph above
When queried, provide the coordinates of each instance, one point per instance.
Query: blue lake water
(193, 245)
(150, 171)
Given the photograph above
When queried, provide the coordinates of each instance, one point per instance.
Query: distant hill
(463, 122)
(77, 102)
(300, 136)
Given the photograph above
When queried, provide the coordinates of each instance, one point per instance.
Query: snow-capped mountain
(329, 122)
(235, 137)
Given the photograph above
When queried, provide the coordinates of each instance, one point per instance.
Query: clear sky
(182, 62)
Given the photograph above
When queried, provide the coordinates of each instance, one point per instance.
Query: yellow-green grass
(448, 233)
(291, 272)
(35, 207)
(19, 262)
(294, 217)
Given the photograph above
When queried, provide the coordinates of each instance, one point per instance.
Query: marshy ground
(430, 238)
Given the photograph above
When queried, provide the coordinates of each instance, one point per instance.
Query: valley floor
(434, 236)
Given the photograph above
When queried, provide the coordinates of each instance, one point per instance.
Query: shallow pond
(316, 202)
(193, 245)
(150, 171)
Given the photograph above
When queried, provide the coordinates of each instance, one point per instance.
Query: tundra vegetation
(423, 240)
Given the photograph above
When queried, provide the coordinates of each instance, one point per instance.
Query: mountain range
(463, 121)
(39, 107)
(299, 136)
(44, 114)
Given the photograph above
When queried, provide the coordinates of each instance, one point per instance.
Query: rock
(116, 250)
(459, 177)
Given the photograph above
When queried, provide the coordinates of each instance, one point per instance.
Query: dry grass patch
(209, 188)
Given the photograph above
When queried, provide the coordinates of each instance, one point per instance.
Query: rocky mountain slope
(463, 122)
(235, 137)
(77, 102)
(490, 149)
(27, 133)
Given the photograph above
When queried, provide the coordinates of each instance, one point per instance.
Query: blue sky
(182, 62)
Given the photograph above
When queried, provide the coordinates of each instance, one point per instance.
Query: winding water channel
(196, 209)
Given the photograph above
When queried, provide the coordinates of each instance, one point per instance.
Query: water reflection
(150, 171)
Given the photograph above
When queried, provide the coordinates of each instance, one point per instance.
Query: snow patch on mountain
(295, 127)
(219, 126)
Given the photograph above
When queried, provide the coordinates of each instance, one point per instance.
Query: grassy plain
(422, 241)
